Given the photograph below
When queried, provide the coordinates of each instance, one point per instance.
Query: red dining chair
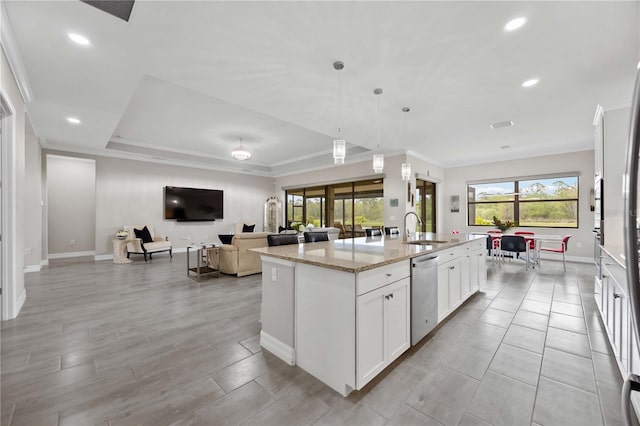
(562, 249)
(530, 242)
(495, 236)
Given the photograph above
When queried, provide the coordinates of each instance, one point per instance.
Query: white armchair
(136, 246)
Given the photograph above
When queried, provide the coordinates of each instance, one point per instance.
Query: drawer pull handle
(607, 263)
(389, 296)
(452, 267)
(616, 295)
(388, 275)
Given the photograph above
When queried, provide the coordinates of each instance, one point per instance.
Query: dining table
(538, 239)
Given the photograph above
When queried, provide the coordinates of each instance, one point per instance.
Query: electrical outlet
(72, 242)
(579, 244)
(274, 274)
(27, 251)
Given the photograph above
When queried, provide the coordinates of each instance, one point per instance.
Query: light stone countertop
(361, 254)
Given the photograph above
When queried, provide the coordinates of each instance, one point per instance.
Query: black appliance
(193, 204)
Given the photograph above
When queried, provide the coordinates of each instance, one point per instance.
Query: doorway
(426, 205)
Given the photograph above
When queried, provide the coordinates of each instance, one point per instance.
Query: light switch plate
(274, 274)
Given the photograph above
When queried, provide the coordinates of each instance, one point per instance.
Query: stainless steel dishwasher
(424, 296)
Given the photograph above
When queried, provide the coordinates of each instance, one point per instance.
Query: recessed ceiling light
(514, 24)
(530, 83)
(79, 39)
(501, 124)
(73, 120)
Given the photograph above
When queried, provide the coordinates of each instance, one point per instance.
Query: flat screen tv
(192, 204)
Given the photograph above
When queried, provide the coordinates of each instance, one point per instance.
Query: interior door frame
(7, 268)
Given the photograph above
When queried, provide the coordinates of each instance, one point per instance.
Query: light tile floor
(104, 344)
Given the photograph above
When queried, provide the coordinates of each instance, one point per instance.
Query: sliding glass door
(426, 205)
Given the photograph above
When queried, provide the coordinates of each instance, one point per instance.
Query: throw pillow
(225, 238)
(248, 228)
(144, 234)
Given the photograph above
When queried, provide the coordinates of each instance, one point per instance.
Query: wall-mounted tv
(192, 204)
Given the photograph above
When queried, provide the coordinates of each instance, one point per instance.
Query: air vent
(501, 124)
(120, 8)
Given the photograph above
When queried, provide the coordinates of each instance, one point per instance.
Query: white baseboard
(279, 349)
(71, 254)
(180, 250)
(99, 257)
(577, 259)
(15, 310)
(32, 268)
(44, 262)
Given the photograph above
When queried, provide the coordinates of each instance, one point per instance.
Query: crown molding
(10, 48)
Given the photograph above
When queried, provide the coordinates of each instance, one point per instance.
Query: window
(550, 202)
(352, 206)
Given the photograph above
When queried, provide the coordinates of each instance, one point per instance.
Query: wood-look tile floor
(143, 344)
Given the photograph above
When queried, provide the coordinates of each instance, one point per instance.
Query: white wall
(13, 172)
(32, 200)
(132, 192)
(583, 162)
(71, 201)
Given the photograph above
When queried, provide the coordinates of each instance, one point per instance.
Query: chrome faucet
(406, 231)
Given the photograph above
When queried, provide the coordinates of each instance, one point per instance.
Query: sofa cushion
(157, 246)
(143, 234)
(248, 228)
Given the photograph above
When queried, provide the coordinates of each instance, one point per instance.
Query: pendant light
(406, 167)
(339, 144)
(378, 158)
(240, 153)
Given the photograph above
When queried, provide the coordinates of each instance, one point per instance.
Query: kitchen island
(341, 309)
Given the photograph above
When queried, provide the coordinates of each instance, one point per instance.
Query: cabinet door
(370, 348)
(397, 319)
(443, 290)
(482, 268)
(455, 282)
(465, 276)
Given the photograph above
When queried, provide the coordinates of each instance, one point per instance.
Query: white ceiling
(184, 81)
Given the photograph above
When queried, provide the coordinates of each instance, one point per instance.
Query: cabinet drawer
(476, 244)
(375, 278)
(447, 255)
(611, 268)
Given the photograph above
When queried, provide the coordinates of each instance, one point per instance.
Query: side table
(201, 266)
(120, 251)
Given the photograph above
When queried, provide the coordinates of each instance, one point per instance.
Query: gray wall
(33, 200)
(583, 162)
(71, 200)
(132, 193)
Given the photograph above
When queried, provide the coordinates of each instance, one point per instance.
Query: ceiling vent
(501, 124)
(120, 9)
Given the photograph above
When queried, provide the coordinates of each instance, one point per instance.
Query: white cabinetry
(615, 128)
(613, 303)
(383, 328)
(350, 326)
(477, 269)
(450, 279)
(461, 270)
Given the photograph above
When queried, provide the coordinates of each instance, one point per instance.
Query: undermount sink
(426, 242)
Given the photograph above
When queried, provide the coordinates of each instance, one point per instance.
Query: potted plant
(504, 226)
